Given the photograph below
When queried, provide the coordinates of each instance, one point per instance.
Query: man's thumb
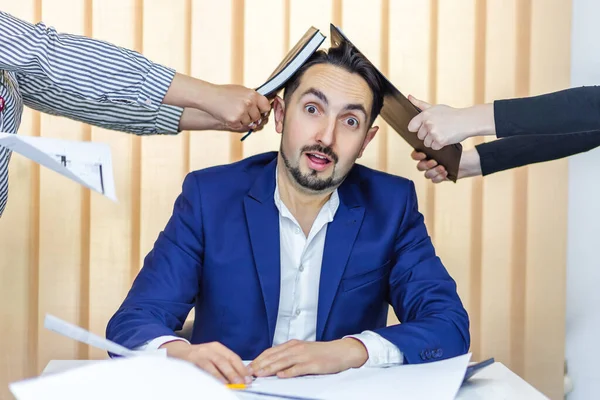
(420, 104)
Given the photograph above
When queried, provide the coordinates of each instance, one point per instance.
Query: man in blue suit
(291, 258)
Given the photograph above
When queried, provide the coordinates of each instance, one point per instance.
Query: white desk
(495, 382)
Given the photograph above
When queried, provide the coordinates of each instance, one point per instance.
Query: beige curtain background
(72, 253)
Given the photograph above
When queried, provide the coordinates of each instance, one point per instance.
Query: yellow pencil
(236, 386)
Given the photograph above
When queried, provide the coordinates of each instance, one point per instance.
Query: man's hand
(470, 165)
(213, 358)
(193, 119)
(234, 107)
(296, 358)
(442, 125)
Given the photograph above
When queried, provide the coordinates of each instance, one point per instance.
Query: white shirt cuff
(154, 344)
(382, 352)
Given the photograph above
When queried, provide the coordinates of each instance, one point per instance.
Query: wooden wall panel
(547, 210)
(454, 203)
(111, 226)
(64, 218)
(163, 163)
(263, 51)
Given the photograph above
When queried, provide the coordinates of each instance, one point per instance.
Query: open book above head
(397, 110)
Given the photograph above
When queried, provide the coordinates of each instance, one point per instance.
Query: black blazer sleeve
(516, 151)
(563, 112)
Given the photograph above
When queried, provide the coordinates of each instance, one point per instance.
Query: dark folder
(397, 111)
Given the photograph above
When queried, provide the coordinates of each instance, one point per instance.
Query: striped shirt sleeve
(41, 94)
(82, 67)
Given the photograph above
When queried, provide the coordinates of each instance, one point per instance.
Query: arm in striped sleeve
(42, 95)
(81, 67)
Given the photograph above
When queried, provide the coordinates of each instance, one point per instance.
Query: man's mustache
(321, 149)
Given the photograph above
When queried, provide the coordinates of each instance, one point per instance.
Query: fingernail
(250, 371)
(237, 380)
(260, 372)
(248, 380)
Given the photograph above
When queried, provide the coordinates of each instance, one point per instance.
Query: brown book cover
(397, 111)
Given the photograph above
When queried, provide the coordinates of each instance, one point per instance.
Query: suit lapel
(262, 218)
(341, 235)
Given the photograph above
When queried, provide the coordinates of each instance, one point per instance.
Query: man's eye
(352, 122)
(311, 109)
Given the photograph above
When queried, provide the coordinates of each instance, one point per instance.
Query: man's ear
(279, 111)
(370, 135)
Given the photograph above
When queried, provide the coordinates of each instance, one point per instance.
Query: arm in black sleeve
(517, 151)
(567, 111)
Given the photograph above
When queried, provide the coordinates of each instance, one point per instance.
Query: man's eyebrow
(356, 107)
(317, 93)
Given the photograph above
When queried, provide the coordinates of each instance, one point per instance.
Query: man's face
(324, 126)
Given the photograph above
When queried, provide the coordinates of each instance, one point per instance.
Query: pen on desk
(246, 135)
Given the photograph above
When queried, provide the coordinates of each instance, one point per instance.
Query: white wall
(583, 252)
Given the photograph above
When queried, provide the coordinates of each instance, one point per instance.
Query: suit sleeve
(516, 151)
(433, 322)
(564, 112)
(166, 287)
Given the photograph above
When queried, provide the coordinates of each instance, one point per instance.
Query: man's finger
(423, 131)
(268, 364)
(264, 105)
(209, 367)
(269, 353)
(426, 165)
(415, 124)
(280, 362)
(238, 365)
(226, 368)
(420, 104)
(299, 369)
(417, 155)
(432, 173)
(440, 178)
(254, 113)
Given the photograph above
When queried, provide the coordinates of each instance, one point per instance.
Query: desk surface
(494, 382)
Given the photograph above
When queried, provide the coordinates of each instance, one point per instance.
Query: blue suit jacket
(220, 250)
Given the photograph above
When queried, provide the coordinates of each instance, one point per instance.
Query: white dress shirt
(301, 259)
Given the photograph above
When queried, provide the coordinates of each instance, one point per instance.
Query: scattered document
(438, 380)
(84, 336)
(125, 378)
(87, 163)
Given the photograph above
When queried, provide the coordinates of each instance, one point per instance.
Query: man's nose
(326, 133)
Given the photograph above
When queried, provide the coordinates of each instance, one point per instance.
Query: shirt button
(301, 268)
(298, 230)
(297, 312)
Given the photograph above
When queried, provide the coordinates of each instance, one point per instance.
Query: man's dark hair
(344, 56)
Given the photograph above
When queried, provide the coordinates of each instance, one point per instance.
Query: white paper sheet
(125, 378)
(87, 163)
(438, 380)
(81, 335)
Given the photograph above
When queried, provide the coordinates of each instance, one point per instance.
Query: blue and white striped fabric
(80, 78)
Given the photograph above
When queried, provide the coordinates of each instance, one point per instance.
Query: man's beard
(311, 180)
